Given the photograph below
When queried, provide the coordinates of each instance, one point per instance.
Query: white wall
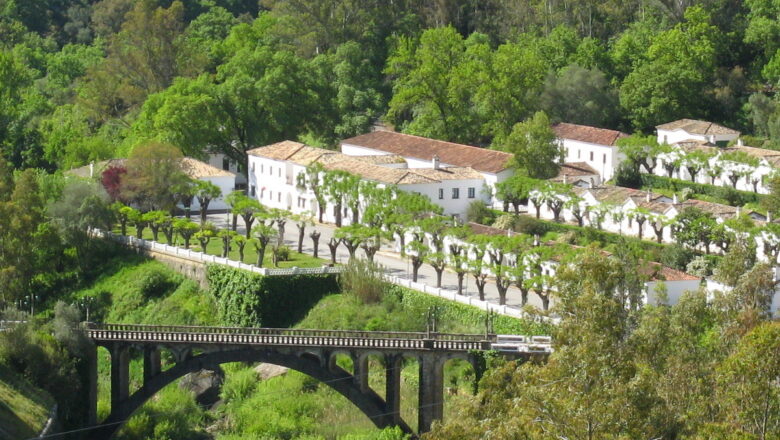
(450, 205)
(674, 290)
(225, 184)
(605, 158)
(216, 160)
(674, 136)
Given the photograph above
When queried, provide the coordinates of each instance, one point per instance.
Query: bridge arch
(366, 400)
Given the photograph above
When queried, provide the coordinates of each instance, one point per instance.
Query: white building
(419, 152)
(692, 129)
(221, 161)
(597, 147)
(274, 170)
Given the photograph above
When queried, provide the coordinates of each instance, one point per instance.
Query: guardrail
(200, 257)
(287, 337)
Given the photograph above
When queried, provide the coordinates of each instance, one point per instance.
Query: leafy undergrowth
(24, 408)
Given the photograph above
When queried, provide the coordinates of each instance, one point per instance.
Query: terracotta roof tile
(584, 133)
(193, 168)
(480, 159)
(696, 127)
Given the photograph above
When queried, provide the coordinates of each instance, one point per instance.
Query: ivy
(246, 299)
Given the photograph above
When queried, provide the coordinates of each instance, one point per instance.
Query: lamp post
(86, 303)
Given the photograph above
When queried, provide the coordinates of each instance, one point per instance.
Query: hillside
(24, 408)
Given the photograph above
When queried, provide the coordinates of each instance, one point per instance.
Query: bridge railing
(288, 332)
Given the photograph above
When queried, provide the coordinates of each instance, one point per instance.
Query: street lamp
(86, 303)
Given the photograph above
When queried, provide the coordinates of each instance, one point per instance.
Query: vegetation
(24, 409)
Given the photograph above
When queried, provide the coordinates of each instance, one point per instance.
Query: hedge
(418, 302)
(247, 299)
(732, 196)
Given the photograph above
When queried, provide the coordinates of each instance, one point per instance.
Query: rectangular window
(472, 193)
(225, 164)
(252, 190)
(579, 153)
(270, 195)
(261, 168)
(455, 193)
(280, 172)
(591, 155)
(604, 159)
(441, 193)
(279, 196)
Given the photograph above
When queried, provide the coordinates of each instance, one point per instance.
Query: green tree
(580, 96)
(534, 145)
(262, 234)
(695, 227)
(205, 192)
(153, 172)
(186, 228)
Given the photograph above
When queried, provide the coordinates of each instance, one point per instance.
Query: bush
(528, 225)
(155, 282)
(363, 278)
(477, 212)
(677, 257)
(628, 175)
(282, 253)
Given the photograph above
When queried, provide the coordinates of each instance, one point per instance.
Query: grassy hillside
(24, 409)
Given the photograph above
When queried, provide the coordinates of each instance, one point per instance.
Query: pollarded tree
(336, 185)
(156, 220)
(372, 242)
(312, 180)
(713, 171)
(206, 192)
(694, 161)
(416, 250)
(240, 242)
(457, 256)
(227, 236)
(515, 191)
(315, 240)
(246, 207)
(262, 235)
(123, 214)
(640, 150)
(204, 236)
(333, 246)
(302, 221)
(352, 236)
(640, 216)
(659, 222)
(539, 278)
(598, 213)
(280, 217)
(353, 192)
(578, 208)
(139, 222)
(738, 164)
(438, 261)
(477, 266)
(184, 193)
(186, 229)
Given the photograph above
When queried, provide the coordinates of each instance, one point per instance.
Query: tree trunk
(260, 255)
(460, 282)
(333, 246)
(204, 205)
(538, 209)
(439, 272)
(315, 238)
(523, 297)
(248, 220)
(155, 232)
(301, 233)
(545, 300)
(235, 224)
(338, 215)
(415, 268)
(502, 286)
(481, 281)
(123, 226)
(241, 252)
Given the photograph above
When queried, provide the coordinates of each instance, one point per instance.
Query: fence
(200, 257)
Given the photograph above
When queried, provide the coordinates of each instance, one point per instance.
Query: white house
(221, 161)
(274, 170)
(692, 129)
(419, 152)
(596, 147)
(578, 174)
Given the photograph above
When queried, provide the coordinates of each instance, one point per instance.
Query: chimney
(768, 217)
(648, 196)
(739, 211)
(674, 199)
(92, 169)
(565, 178)
(536, 240)
(435, 162)
(740, 143)
(711, 138)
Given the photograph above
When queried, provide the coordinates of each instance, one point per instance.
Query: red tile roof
(584, 133)
(480, 159)
(696, 127)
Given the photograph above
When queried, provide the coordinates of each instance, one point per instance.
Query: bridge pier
(431, 392)
(92, 386)
(120, 374)
(393, 364)
(360, 368)
(152, 364)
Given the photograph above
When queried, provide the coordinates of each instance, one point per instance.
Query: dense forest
(86, 80)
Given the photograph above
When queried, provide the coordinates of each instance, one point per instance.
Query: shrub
(732, 196)
(154, 282)
(529, 225)
(239, 385)
(477, 212)
(282, 253)
(676, 256)
(363, 278)
(628, 175)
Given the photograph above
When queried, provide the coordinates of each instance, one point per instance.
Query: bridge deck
(134, 333)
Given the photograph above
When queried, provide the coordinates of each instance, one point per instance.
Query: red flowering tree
(111, 179)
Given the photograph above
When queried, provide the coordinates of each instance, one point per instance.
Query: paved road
(390, 259)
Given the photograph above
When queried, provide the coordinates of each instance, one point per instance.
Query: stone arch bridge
(312, 352)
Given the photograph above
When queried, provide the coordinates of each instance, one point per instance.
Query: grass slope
(24, 408)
